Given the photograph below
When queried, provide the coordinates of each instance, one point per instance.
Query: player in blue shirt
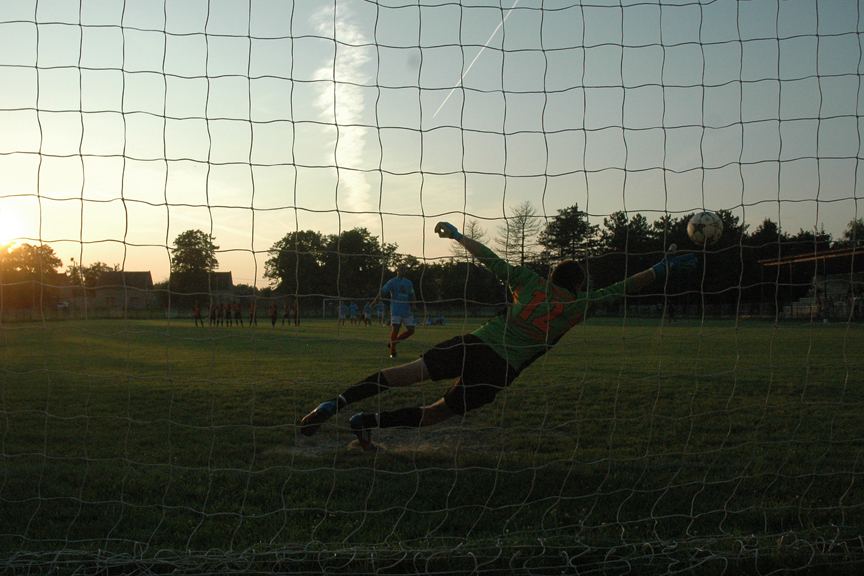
(401, 292)
(379, 308)
(367, 313)
(352, 308)
(343, 311)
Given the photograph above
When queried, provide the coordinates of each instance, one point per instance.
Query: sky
(124, 124)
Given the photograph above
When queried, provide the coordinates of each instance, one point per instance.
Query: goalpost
(706, 424)
(334, 301)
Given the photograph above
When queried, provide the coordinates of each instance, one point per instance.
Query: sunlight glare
(10, 227)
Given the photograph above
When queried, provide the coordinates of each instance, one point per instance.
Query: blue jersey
(367, 310)
(353, 309)
(401, 292)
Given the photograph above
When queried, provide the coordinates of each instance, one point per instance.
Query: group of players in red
(231, 313)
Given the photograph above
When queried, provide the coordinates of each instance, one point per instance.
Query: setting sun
(10, 227)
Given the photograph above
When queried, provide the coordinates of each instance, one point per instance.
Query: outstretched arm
(643, 279)
(669, 265)
(447, 230)
(471, 245)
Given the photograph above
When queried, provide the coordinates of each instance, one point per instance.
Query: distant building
(837, 285)
(126, 290)
(204, 287)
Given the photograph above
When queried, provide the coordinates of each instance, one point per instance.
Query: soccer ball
(705, 228)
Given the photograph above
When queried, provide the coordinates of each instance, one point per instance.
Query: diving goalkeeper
(487, 360)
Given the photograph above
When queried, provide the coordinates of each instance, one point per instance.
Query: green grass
(674, 447)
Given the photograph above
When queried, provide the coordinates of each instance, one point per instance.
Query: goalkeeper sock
(401, 418)
(368, 387)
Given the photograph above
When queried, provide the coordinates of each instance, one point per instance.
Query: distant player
(238, 315)
(487, 360)
(343, 312)
(670, 310)
(286, 313)
(212, 314)
(296, 311)
(274, 312)
(352, 311)
(367, 313)
(253, 314)
(379, 309)
(196, 313)
(402, 297)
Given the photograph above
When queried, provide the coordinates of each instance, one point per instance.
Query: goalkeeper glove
(674, 264)
(447, 230)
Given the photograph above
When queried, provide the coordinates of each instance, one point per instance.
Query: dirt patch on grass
(444, 440)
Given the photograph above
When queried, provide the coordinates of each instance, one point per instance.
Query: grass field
(156, 446)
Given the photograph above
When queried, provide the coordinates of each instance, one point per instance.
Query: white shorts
(404, 320)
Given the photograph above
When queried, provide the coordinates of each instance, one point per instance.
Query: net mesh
(192, 192)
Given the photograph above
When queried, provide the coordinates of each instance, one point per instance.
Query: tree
(767, 235)
(668, 230)
(354, 263)
(569, 235)
(454, 283)
(31, 261)
(412, 264)
(245, 290)
(808, 242)
(295, 262)
(87, 276)
(472, 230)
(193, 258)
(853, 236)
(29, 273)
(517, 238)
(628, 245)
(349, 264)
(761, 283)
(194, 252)
(630, 236)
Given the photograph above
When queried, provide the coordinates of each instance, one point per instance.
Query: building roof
(124, 279)
(204, 281)
(845, 253)
(837, 261)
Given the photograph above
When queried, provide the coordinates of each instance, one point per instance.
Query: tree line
(353, 264)
(737, 269)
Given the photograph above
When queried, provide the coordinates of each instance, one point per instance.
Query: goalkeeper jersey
(541, 313)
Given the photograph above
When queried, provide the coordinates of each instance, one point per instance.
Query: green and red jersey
(541, 313)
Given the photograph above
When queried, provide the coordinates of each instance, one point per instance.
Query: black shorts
(481, 371)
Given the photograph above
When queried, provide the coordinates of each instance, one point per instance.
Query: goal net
(200, 202)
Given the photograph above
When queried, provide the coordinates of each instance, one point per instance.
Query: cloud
(341, 100)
